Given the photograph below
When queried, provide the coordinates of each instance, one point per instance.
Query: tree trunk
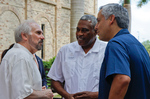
(128, 7)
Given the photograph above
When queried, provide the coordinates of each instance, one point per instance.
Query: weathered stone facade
(53, 15)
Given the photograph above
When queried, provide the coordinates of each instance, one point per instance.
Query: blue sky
(140, 19)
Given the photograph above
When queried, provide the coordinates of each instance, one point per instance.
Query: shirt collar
(17, 45)
(95, 47)
(122, 31)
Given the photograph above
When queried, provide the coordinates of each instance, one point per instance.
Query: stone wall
(53, 15)
(11, 14)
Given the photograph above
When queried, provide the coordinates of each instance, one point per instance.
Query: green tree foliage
(47, 65)
(142, 2)
(146, 44)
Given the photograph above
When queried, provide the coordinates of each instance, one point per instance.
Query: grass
(56, 95)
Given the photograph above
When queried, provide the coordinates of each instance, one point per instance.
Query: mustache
(41, 41)
(80, 36)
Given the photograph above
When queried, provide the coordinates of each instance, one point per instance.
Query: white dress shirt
(19, 75)
(80, 71)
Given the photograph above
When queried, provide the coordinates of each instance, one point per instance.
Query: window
(42, 51)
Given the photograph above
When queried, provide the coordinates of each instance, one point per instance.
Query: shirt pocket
(96, 73)
(68, 69)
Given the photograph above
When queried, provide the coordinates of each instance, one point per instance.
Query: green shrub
(47, 65)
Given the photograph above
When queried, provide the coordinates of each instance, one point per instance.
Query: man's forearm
(34, 94)
(95, 95)
(60, 90)
(86, 95)
(43, 94)
(119, 86)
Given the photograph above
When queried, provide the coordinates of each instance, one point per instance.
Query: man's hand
(43, 87)
(86, 95)
(48, 94)
(69, 96)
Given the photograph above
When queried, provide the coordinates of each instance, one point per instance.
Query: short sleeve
(117, 60)
(21, 79)
(55, 71)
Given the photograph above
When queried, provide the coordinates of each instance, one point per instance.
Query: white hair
(24, 27)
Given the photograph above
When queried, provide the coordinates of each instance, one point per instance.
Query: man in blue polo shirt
(125, 72)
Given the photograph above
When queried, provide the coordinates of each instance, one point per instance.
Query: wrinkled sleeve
(55, 71)
(21, 79)
(117, 60)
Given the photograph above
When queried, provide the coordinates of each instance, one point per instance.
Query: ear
(112, 19)
(94, 30)
(24, 36)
